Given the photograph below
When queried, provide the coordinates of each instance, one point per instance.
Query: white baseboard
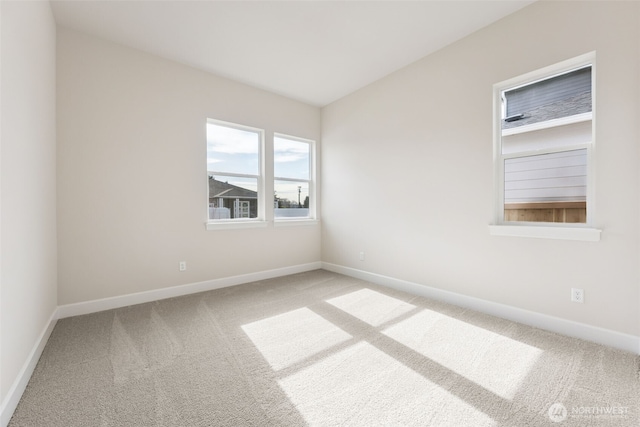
(595, 334)
(94, 306)
(17, 389)
(570, 328)
(20, 384)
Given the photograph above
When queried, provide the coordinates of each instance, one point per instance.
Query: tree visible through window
(544, 144)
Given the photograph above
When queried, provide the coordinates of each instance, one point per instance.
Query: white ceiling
(312, 51)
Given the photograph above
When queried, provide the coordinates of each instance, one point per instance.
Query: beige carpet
(321, 349)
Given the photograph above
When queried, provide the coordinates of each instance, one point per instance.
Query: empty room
(319, 213)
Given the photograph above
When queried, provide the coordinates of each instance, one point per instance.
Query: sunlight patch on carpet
(294, 336)
(342, 390)
(493, 361)
(370, 306)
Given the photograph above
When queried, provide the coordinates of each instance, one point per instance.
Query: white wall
(28, 179)
(132, 180)
(408, 170)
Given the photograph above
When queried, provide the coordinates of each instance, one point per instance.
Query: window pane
(291, 199)
(546, 187)
(560, 96)
(232, 150)
(290, 158)
(232, 197)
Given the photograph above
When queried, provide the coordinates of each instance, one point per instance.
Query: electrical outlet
(183, 265)
(577, 295)
(361, 256)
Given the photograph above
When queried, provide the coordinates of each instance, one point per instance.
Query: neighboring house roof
(577, 104)
(225, 190)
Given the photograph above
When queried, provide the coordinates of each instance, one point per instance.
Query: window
(234, 169)
(544, 146)
(293, 172)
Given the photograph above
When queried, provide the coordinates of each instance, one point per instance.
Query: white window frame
(312, 218)
(259, 221)
(568, 231)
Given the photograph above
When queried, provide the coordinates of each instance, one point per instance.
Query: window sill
(542, 232)
(229, 225)
(295, 222)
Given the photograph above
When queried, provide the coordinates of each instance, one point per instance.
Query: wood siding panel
(548, 91)
(546, 177)
(564, 172)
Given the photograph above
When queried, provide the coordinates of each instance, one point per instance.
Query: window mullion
(237, 175)
(544, 151)
(280, 178)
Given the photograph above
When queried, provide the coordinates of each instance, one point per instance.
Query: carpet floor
(321, 349)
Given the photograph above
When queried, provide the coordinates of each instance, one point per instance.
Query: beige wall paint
(132, 181)
(408, 170)
(28, 178)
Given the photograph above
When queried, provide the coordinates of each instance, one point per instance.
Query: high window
(293, 177)
(544, 145)
(235, 172)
